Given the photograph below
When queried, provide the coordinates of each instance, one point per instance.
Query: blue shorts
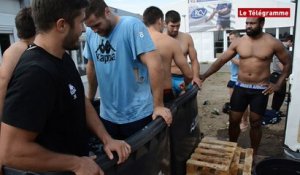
(177, 80)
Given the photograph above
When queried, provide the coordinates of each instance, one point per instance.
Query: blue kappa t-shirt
(123, 80)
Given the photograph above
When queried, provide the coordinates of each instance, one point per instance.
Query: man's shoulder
(130, 20)
(167, 38)
(184, 35)
(16, 48)
(271, 40)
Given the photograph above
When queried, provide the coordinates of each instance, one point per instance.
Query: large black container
(277, 166)
(156, 148)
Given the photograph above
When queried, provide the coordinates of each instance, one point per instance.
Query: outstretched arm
(226, 56)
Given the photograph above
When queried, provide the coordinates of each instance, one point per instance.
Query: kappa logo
(105, 52)
(141, 34)
(72, 91)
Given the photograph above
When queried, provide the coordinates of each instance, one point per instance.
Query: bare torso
(10, 59)
(255, 59)
(184, 44)
(163, 44)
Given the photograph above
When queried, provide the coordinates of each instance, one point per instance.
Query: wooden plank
(234, 167)
(207, 164)
(202, 157)
(213, 152)
(215, 141)
(191, 169)
(217, 147)
(248, 161)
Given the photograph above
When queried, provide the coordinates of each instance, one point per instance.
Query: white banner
(210, 15)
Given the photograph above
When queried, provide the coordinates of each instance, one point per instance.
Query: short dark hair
(47, 12)
(261, 19)
(96, 7)
(24, 23)
(152, 14)
(235, 33)
(172, 16)
(289, 38)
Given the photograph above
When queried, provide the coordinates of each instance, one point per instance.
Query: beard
(254, 31)
(173, 34)
(71, 41)
(105, 32)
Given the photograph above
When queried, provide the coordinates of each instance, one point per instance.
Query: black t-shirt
(46, 96)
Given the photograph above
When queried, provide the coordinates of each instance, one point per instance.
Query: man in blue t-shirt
(122, 60)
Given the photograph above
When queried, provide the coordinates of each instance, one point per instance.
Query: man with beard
(123, 61)
(168, 48)
(187, 46)
(46, 115)
(252, 88)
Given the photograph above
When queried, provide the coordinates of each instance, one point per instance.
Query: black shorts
(231, 84)
(123, 131)
(242, 97)
(168, 95)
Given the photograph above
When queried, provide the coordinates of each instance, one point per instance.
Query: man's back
(11, 57)
(170, 51)
(165, 47)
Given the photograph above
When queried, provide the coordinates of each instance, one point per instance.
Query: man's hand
(121, 147)
(87, 166)
(271, 89)
(202, 78)
(198, 81)
(164, 112)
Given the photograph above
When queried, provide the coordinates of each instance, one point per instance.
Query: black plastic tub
(156, 149)
(277, 166)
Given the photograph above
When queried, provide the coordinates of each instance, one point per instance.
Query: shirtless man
(26, 32)
(168, 48)
(234, 69)
(187, 46)
(252, 88)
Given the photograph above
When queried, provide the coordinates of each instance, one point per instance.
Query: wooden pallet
(214, 157)
(242, 162)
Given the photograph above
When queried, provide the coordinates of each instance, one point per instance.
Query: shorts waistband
(177, 75)
(250, 86)
(168, 91)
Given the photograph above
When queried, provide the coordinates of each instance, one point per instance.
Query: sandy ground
(215, 93)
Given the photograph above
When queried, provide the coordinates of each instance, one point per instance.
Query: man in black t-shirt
(46, 116)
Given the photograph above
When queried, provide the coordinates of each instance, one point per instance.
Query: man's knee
(235, 117)
(255, 123)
